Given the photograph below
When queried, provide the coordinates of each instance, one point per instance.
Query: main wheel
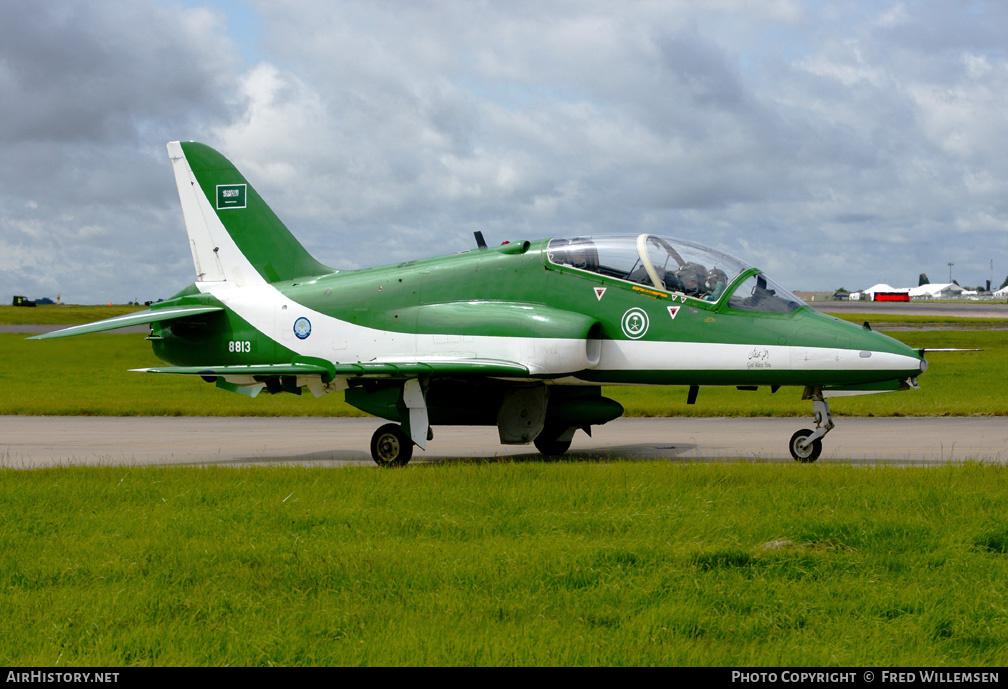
(549, 444)
(391, 447)
(804, 451)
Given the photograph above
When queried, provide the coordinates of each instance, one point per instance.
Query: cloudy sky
(830, 143)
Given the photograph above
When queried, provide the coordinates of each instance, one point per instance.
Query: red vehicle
(892, 296)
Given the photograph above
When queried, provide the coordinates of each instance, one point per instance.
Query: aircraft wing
(250, 370)
(130, 319)
(318, 374)
(437, 367)
(370, 369)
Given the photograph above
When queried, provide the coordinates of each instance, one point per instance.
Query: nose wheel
(806, 444)
(803, 449)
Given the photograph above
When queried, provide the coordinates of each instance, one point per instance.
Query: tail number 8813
(239, 346)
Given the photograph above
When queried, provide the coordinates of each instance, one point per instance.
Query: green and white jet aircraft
(520, 336)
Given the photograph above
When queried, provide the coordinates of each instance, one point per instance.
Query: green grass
(921, 321)
(90, 375)
(63, 314)
(629, 563)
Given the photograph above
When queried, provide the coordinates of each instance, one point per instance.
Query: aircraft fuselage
(510, 303)
(521, 336)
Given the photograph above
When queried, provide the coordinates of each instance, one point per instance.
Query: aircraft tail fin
(233, 234)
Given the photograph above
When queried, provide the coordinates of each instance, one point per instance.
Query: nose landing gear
(806, 445)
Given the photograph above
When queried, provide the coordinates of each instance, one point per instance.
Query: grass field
(90, 375)
(499, 563)
(506, 564)
(64, 314)
(922, 321)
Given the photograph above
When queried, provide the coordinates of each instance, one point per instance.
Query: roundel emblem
(635, 323)
(302, 328)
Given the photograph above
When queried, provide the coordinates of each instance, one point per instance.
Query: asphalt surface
(28, 442)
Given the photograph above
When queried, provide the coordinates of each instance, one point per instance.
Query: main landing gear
(806, 445)
(391, 446)
(553, 441)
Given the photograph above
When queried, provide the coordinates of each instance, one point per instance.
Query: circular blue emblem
(302, 328)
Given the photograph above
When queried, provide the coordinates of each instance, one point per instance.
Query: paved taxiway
(33, 441)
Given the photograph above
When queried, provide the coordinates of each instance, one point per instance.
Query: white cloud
(382, 131)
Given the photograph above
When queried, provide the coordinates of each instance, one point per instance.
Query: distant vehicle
(22, 301)
(892, 296)
(520, 336)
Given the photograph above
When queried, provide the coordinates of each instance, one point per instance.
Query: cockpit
(674, 265)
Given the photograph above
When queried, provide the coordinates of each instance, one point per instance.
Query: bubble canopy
(673, 265)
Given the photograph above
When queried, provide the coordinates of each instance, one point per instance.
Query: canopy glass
(673, 265)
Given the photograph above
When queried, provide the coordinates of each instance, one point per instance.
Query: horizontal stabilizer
(129, 320)
(948, 349)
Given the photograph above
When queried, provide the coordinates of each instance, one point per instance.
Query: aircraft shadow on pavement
(642, 452)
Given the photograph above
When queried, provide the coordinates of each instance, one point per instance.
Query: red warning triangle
(673, 310)
(599, 291)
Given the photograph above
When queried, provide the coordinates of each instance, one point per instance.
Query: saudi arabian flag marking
(230, 196)
(635, 323)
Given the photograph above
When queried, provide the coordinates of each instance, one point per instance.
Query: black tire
(548, 443)
(391, 447)
(810, 452)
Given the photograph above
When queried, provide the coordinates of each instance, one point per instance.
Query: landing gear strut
(391, 446)
(806, 445)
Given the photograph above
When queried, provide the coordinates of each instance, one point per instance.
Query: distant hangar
(884, 292)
